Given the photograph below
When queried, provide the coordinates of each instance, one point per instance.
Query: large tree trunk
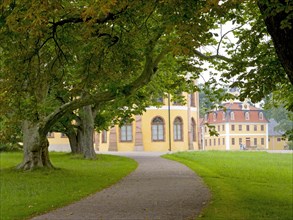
(86, 132)
(35, 147)
(282, 37)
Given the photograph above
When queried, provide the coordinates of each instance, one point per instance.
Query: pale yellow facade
(278, 143)
(238, 128)
(58, 142)
(178, 130)
(142, 138)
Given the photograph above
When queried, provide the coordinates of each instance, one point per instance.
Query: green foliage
(25, 194)
(274, 108)
(244, 185)
(245, 55)
(63, 56)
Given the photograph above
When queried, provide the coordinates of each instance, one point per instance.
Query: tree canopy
(59, 56)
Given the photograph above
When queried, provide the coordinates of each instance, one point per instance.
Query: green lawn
(244, 185)
(24, 194)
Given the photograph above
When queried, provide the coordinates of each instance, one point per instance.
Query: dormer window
(260, 116)
(232, 116)
(224, 116)
(214, 116)
(246, 115)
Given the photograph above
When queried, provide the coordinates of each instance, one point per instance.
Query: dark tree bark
(282, 37)
(86, 132)
(73, 141)
(35, 145)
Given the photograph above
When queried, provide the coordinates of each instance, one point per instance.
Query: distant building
(240, 125)
(276, 140)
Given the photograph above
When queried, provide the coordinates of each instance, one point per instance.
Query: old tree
(60, 57)
(87, 53)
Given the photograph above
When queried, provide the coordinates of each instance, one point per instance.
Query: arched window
(178, 129)
(158, 129)
(224, 116)
(246, 115)
(193, 129)
(232, 116)
(126, 132)
(260, 116)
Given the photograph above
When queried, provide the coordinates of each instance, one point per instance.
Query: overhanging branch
(211, 57)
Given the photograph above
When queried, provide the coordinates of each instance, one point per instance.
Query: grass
(244, 185)
(26, 194)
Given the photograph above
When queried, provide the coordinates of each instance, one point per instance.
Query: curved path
(157, 189)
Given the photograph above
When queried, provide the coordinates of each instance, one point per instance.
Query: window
(126, 133)
(160, 99)
(63, 135)
(210, 142)
(219, 127)
(193, 129)
(223, 141)
(219, 141)
(255, 127)
(50, 135)
(192, 100)
(214, 116)
(232, 116)
(178, 128)
(214, 142)
(206, 142)
(158, 129)
(240, 140)
(260, 116)
(246, 115)
(278, 139)
(205, 129)
(104, 136)
(233, 127)
(223, 127)
(255, 141)
(262, 141)
(262, 127)
(233, 141)
(247, 127)
(240, 127)
(224, 116)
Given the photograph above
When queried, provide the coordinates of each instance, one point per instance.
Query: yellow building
(240, 126)
(276, 140)
(172, 127)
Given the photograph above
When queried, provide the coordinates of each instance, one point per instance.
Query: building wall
(277, 143)
(142, 130)
(235, 132)
(58, 142)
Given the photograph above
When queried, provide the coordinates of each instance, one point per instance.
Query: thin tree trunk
(35, 147)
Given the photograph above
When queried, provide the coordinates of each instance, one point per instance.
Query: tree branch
(211, 57)
(75, 20)
(144, 78)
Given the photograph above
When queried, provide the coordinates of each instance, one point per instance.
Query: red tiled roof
(239, 114)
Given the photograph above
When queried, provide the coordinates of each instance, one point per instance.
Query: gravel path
(157, 189)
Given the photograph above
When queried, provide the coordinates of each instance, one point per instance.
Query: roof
(237, 112)
(272, 131)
